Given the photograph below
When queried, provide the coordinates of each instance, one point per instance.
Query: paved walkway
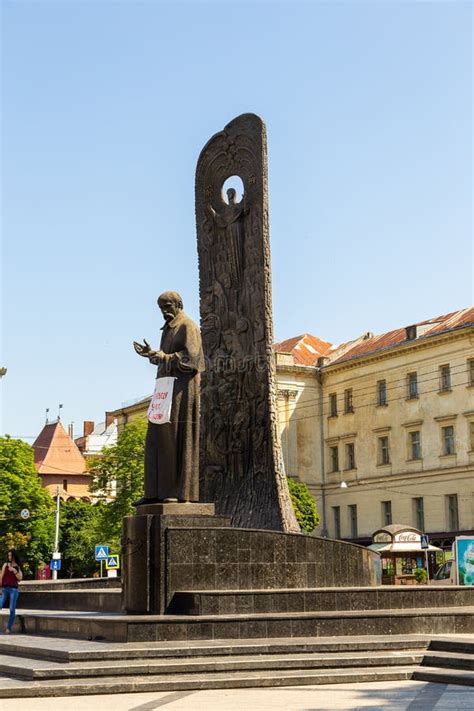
(389, 696)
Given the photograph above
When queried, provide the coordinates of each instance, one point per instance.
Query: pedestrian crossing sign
(101, 552)
(113, 562)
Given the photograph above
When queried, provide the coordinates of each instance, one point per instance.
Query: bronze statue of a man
(172, 448)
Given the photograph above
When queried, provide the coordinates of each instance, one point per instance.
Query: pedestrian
(10, 576)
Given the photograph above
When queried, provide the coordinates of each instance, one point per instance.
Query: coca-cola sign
(407, 537)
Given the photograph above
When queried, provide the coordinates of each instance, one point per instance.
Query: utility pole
(56, 534)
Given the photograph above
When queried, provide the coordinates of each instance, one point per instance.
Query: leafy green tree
(20, 488)
(120, 466)
(79, 527)
(304, 505)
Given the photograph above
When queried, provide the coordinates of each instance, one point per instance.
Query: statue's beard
(168, 316)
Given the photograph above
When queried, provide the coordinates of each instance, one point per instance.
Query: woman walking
(10, 576)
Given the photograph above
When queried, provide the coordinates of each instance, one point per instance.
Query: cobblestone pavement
(396, 696)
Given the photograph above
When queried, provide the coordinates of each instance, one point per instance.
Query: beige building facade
(382, 429)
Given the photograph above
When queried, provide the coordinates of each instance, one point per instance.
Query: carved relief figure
(230, 220)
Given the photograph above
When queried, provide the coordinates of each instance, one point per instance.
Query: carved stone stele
(241, 467)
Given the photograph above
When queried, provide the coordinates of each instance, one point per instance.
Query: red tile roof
(56, 453)
(305, 349)
(368, 343)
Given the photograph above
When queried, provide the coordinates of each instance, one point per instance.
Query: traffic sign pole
(56, 532)
(101, 554)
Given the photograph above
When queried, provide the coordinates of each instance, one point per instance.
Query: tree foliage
(79, 527)
(20, 488)
(120, 466)
(304, 505)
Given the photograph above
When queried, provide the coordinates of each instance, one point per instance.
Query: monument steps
(64, 650)
(88, 599)
(449, 660)
(16, 688)
(89, 668)
(37, 669)
(71, 584)
(444, 676)
(206, 602)
(141, 628)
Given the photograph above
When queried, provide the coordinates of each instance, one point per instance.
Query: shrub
(304, 505)
(421, 576)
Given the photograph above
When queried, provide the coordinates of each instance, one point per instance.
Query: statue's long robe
(172, 449)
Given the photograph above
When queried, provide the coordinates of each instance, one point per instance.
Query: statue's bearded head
(170, 304)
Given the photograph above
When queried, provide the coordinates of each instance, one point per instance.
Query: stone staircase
(36, 666)
(246, 614)
(213, 639)
(448, 662)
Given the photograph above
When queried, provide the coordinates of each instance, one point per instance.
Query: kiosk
(401, 553)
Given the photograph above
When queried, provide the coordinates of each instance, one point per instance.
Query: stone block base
(146, 550)
(177, 509)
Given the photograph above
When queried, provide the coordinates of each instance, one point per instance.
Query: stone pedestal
(144, 546)
(177, 509)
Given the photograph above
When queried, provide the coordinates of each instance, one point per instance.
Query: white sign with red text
(159, 411)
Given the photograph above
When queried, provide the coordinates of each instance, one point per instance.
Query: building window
(333, 404)
(471, 436)
(448, 439)
(353, 520)
(415, 445)
(412, 385)
(381, 393)
(336, 510)
(65, 484)
(453, 515)
(419, 511)
(386, 513)
(470, 371)
(444, 378)
(350, 456)
(334, 451)
(348, 406)
(384, 451)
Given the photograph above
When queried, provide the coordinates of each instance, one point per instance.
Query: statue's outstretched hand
(143, 350)
(146, 351)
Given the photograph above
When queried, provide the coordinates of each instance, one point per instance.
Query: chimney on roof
(88, 427)
(368, 335)
(109, 418)
(70, 430)
(410, 333)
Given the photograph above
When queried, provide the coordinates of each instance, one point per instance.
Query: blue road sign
(425, 542)
(55, 564)
(113, 562)
(101, 552)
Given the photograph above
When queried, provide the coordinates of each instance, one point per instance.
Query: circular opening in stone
(233, 183)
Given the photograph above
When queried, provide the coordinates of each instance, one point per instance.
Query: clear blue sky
(106, 106)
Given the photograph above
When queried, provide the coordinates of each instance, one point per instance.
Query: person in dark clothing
(10, 576)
